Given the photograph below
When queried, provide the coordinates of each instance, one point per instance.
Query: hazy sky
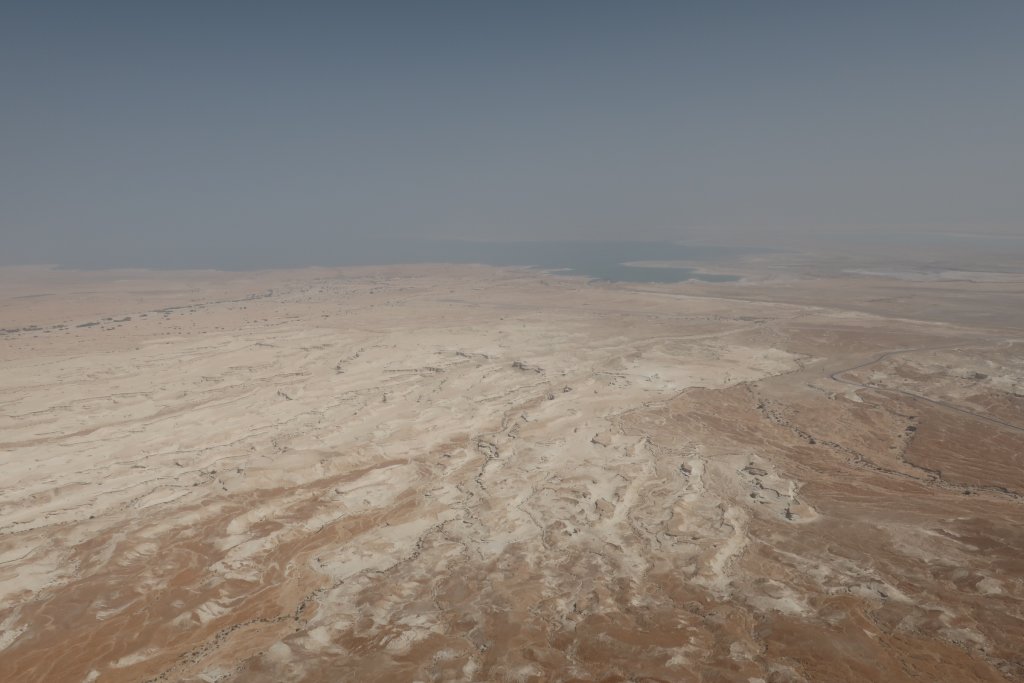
(188, 127)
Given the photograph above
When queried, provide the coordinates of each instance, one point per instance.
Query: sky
(139, 131)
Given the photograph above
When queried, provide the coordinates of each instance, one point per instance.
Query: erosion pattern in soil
(429, 474)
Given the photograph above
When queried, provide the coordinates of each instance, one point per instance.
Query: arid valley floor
(466, 473)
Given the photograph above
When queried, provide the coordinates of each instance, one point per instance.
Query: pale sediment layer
(434, 474)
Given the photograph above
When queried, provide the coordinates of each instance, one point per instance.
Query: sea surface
(595, 260)
(617, 272)
(604, 261)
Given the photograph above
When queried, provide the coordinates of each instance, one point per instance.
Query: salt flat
(432, 473)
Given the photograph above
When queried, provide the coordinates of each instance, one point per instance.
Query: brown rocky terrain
(466, 473)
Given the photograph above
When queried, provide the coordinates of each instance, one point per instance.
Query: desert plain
(468, 473)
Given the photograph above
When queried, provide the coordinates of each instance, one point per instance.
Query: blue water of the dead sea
(594, 260)
(618, 272)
